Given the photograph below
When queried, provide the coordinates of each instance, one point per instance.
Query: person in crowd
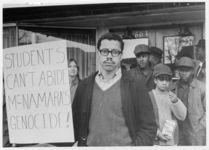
(192, 93)
(144, 67)
(110, 107)
(167, 107)
(188, 51)
(200, 55)
(155, 56)
(73, 72)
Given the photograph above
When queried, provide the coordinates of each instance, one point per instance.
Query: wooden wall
(156, 36)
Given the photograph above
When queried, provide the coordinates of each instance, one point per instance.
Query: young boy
(167, 107)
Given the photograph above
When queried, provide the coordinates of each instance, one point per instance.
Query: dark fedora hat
(156, 51)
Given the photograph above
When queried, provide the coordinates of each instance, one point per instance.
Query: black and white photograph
(104, 74)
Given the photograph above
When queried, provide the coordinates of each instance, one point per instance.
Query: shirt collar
(118, 73)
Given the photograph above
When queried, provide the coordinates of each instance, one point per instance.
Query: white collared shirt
(106, 84)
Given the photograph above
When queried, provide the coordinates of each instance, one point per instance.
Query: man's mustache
(109, 62)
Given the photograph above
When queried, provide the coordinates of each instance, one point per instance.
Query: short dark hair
(111, 36)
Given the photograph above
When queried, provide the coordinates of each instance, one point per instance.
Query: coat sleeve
(76, 110)
(179, 110)
(203, 100)
(146, 125)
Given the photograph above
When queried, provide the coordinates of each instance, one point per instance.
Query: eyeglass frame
(110, 51)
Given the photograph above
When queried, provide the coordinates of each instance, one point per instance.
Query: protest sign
(37, 93)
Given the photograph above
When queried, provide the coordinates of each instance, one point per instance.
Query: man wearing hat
(144, 68)
(200, 50)
(192, 93)
(167, 107)
(200, 55)
(155, 55)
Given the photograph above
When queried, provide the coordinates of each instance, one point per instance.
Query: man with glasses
(192, 93)
(144, 68)
(110, 107)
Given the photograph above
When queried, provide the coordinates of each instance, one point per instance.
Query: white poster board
(37, 93)
(129, 46)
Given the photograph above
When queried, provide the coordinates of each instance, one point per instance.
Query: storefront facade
(86, 23)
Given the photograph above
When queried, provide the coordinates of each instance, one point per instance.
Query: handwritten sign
(38, 94)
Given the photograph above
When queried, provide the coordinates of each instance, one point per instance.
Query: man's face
(154, 59)
(185, 73)
(200, 53)
(109, 63)
(162, 82)
(143, 60)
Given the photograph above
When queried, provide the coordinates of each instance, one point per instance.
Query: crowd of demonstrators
(167, 106)
(192, 94)
(110, 107)
(144, 67)
(137, 107)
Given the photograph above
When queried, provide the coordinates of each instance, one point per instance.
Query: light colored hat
(185, 62)
(142, 48)
(161, 69)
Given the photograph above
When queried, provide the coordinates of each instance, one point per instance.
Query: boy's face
(162, 82)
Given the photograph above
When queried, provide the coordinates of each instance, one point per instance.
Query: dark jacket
(149, 79)
(196, 112)
(136, 106)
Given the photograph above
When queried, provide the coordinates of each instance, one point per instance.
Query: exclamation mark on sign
(68, 118)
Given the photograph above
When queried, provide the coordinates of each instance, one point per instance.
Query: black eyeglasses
(164, 78)
(113, 52)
